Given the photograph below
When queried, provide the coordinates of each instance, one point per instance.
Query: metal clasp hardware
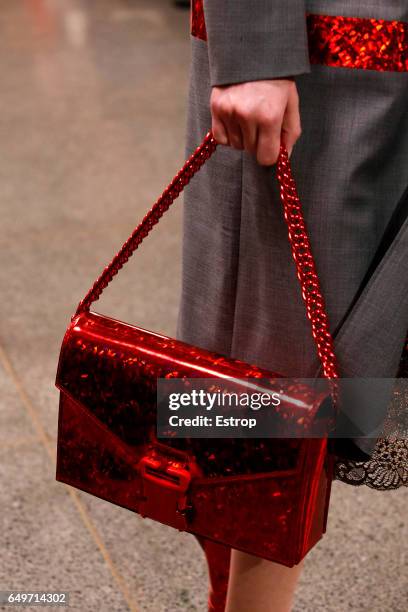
(165, 472)
(165, 484)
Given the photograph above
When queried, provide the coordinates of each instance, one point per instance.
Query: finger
(291, 125)
(268, 143)
(234, 132)
(249, 130)
(219, 130)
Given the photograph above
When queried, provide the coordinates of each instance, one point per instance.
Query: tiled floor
(92, 112)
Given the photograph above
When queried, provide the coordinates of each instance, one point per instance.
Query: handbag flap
(111, 368)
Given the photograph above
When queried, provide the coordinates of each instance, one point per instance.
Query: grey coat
(239, 289)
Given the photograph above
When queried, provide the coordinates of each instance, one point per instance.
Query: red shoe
(218, 562)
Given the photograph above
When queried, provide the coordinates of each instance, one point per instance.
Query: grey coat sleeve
(250, 40)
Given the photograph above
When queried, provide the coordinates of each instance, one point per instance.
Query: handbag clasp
(166, 481)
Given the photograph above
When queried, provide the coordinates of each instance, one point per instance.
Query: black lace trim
(387, 468)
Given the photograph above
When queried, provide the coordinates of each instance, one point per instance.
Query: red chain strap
(192, 165)
(301, 250)
(305, 266)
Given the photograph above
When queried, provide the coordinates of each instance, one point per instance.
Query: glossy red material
(218, 559)
(107, 446)
(343, 42)
(266, 497)
(198, 28)
(351, 42)
(305, 266)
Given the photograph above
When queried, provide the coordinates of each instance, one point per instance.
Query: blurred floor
(92, 112)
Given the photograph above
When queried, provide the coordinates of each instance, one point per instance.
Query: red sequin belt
(346, 42)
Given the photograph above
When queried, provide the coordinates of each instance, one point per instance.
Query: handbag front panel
(107, 377)
(282, 522)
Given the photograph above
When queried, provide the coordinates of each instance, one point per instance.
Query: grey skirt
(240, 295)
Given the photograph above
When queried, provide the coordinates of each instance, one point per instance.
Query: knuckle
(243, 113)
(297, 132)
(226, 108)
(215, 105)
(220, 103)
(269, 118)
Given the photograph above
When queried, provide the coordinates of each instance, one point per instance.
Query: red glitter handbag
(266, 497)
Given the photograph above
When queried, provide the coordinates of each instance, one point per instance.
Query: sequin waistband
(344, 42)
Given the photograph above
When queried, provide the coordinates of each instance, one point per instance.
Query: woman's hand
(255, 116)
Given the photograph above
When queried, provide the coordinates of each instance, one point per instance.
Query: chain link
(305, 266)
(301, 250)
(192, 165)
